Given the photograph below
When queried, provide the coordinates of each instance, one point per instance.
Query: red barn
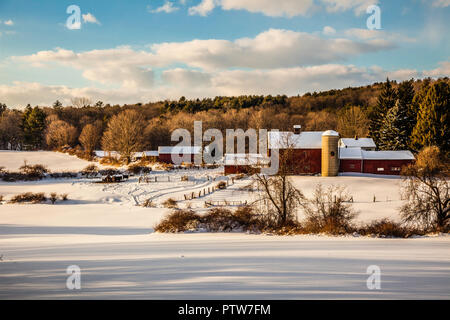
(303, 150)
(167, 154)
(243, 163)
(375, 162)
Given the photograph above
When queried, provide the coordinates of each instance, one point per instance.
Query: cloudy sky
(140, 51)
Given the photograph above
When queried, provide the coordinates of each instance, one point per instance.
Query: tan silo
(330, 158)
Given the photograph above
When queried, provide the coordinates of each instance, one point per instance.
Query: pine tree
(407, 111)
(386, 101)
(433, 120)
(393, 134)
(33, 126)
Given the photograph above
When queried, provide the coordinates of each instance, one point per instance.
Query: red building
(168, 154)
(374, 162)
(301, 151)
(243, 163)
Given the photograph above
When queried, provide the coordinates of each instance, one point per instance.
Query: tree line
(407, 115)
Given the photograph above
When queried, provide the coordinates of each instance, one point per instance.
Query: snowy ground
(102, 230)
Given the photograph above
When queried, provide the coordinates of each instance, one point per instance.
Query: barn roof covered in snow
(357, 143)
(304, 140)
(387, 155)
(179, 150)
(146, 153)
(360, 154)
(244, 159)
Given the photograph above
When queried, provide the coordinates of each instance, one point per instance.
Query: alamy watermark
(213, 152)
(374, 280)
(73, 281)
(374, 20)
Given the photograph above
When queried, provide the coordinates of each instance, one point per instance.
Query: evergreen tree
(393, 135)
(33, 126)
(407, 111)
(433, 120)
(386, 101)
(3, 108)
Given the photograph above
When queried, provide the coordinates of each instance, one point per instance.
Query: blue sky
(137, 51)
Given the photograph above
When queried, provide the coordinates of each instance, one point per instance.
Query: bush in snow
(178, 221)
(28, 197)
(329, 211)
(387, 228)
(137, 168)
(170, 203)
(53, 197)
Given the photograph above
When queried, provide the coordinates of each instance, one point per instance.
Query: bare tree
(279, 196)
(59, 133)
(81, 102)
(426, 189)
(125, 134)
(329, 210)
(353, 122)
(90, 136)
(10, 131)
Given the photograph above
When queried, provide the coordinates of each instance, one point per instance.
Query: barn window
(380, 169)
(396, 169)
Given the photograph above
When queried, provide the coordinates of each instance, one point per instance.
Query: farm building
(150, 155)
(363, 143)
(317, 152)
(243, 163)
(301, 151)
(166, 154)
(375, 162)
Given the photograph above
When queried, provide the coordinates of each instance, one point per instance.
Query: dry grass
(221, 185)
(178, 221)
(148, 204)
(53, 197)
(170, 203)
(387, 228)
(28, 197)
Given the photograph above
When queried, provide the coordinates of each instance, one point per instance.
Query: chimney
(297, 129)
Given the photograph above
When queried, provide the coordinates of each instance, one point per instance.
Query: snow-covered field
(104, 232)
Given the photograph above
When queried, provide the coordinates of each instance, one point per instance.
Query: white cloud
(282, 8)
(442, 71)
(90, 18)
(366, 34)
(358, 6)
(197, 84)
(327, 30)
(441, 3)
(271, 49)
(203, 8)
(167, 7)
(9, 22)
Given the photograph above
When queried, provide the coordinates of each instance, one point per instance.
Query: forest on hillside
(398, 116)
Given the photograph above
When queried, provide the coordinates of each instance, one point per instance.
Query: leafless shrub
(178, 221)
(148, 203)
(386, 228)
(53, 197)
(221, 185)
(28, 197)
(329, 211)
(64, 196)
(138, 169)
(90, 171)
(426, 190)
(170, 203)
